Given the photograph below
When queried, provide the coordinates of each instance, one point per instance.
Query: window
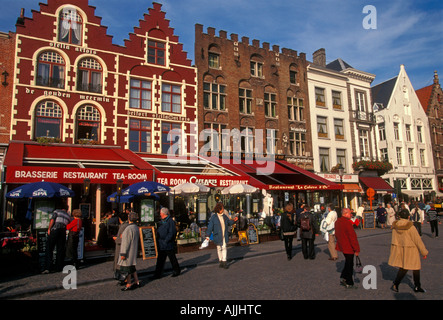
(408, 132)
(419, 134)
(247, 139)
(140, 135)
(295, 109)
(320, 97)
(384, 154)
(270, 105)
(171, 98)
(245, 100)
(271, 141)
(399, 156)
(214, 60)
(411, 156)
(140, 96)
(381, 132)
(360, 98)
(338, 129)
(48, 120)
(169, 140)
(364, 142)
(396, 131)
(422, 158)
(214, 96)
(156, 52)
(324, 159)
(89, 76)
(88, 123)
(51, 70)
(415, 184)
(341, 157)
(70, 26)
(336, 100)
(426, 184)
(218, 142)
(297, 143)
(293, 77)
(256, 69)
(322, 128)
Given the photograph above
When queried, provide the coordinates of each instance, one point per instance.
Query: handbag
(282, 236)
(358, 266)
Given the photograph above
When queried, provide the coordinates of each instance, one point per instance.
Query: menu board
(368, 220)
(43, 211)
(85, 208)
(148, 242)
(252, 234)
(147, 210)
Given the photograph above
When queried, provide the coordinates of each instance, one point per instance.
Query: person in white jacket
(330, 220)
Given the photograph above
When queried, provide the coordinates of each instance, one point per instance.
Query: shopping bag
(358, 266)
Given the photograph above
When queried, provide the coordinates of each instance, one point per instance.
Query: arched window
(89, 76)
(88, 123)
(51, 70)
(70, 26)
(48, 120)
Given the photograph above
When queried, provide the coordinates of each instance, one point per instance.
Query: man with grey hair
(166, 233)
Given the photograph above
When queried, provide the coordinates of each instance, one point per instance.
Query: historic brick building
(245, 86)
(7, 49)
(73, 85)
(431, 99)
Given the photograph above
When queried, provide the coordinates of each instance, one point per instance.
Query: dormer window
(156, 52)
(70, 26)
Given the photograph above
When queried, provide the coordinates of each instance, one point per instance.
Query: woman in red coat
(348, 244)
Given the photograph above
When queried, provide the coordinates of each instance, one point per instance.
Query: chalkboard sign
(243, 238)
(41, 247)
(368, 220)
(148, 242)
(252, 234)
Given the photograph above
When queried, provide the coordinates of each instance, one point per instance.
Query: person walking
(347, 243)
(417, 217)
(129, 252)
(289, 228)
(123, 219)
(433, 220)
(166, 234)
(57, 236)
(381, 215)
(74, 228)
(330, 219)
(308, 230)
(218, 225)
(390, 215)
(406, 247)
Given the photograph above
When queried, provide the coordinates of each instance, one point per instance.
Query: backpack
(305, 223)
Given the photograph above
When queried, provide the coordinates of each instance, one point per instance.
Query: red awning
(31, 162)
(376, 183)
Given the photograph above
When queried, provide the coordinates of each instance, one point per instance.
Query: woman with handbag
(288, 228)
(406, 247)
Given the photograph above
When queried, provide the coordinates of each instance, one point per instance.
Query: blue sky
(408, 32)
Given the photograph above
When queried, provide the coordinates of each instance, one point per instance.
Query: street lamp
(341, 171)
(119, 192)
(86, 186)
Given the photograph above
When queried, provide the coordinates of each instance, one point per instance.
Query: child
(74, 228)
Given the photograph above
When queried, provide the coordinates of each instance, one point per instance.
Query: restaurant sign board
(21, 174)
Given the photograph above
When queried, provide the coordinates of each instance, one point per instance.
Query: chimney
(319, 57)
(21, 19)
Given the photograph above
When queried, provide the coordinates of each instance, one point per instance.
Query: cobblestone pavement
(256, 273)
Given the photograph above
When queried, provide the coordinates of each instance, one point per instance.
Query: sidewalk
(98, 271)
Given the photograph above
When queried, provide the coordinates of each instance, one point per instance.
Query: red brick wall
(7, 49)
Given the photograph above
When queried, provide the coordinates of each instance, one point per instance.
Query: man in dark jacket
(166, 234)
(308, 229)
(348, 244)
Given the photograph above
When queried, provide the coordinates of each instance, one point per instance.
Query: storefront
(92, 172)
